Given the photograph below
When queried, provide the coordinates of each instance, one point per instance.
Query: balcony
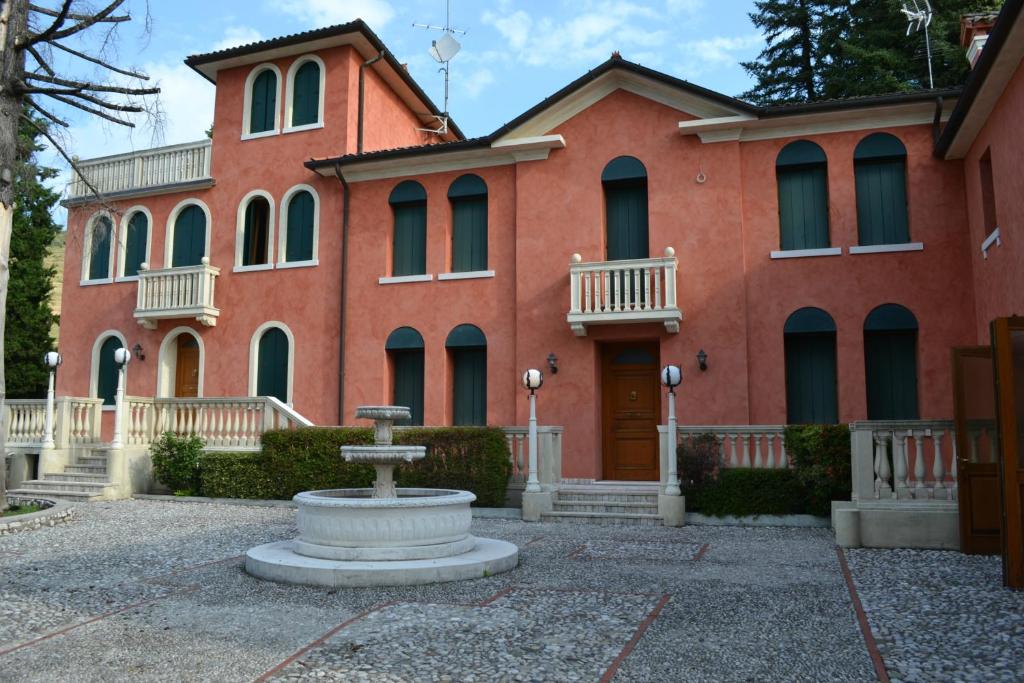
(184, 292)
(617, 292)
(152, 171)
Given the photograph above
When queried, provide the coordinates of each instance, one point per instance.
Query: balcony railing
(183, 292)
(161, 167)
(614, 292)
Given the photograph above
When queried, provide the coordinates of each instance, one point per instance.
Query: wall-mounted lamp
(553, 362)
(137, 349)
(702, 360)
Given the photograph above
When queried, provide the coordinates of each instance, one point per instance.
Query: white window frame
(247, 106)
(240, 232)
(167, 362)
(254, 355)
(94, 371)
(122, 241)
(172, 219)
(290, 90)
(87, 250)
(282, 240)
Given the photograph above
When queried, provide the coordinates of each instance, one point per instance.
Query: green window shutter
(469, 234)
(255, 232)
(135, 243)
(626, 218)
(106, 374)
(811, 378)
(263, 104)
(890, 360)
(881, 201)
(470, 386)
(272, 365)
(299, 240)
(306, 100)
(803, 207)
(189, 246)
(410, 240)
(407, 366)
(99, 258)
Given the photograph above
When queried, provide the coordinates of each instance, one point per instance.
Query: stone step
(89, 477)
(78, 496)
(95, 487)
(606, 506)
(601, 518)
(581, 497)
(92, 460)
(86, 469)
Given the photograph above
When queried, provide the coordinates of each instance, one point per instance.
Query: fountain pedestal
(382, 536)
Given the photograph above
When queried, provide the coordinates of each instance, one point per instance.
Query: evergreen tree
(29, 318)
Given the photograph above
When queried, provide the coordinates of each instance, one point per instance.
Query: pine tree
(29, 317)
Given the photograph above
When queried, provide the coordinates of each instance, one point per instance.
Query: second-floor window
(468, 198)
(306, 92)
(801, 171)
(409, 246)
(99, 249)
(255, 248)
(300, 216)
(880, 167)
(624, 180)
(188, 245)
(136, 243)
(261, 98)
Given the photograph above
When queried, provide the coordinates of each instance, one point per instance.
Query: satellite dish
(445, 48)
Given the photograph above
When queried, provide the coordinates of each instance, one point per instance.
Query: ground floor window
(467, 348)
(405, 353)
(890, 363)
(272, 365)
(810, 350)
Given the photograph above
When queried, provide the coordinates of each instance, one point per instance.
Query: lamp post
(671, 377)
(51, 359)
(532, 380)
(122, 357)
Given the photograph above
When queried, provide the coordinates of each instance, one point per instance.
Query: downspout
(344, 291)
(362, 101)
(937, 121)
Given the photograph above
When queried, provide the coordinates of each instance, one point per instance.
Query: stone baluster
(771, 451)
(919, 488)
(758, 460)
(783, 460)
(722, 458)
(884, 486)
(734, 461)
(899, 463)
(746, 450)
(938, 466)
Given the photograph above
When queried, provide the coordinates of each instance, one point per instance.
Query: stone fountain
(384, 536)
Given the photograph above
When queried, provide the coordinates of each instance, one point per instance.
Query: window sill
(126, 278)
(398, 279)
(264, 134)
(104, 281)
(298, 264)
(466, 275)
(250, 269)
(993, 238)
(888, 248)
(803, 253)
(299, 129)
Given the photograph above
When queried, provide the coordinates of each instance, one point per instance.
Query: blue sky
(514, 53)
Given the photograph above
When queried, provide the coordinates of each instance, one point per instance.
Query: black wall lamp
(553, 362)
(702, 360)
(137, 349)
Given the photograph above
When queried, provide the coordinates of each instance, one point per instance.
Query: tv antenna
(918, 19)
(443, 50)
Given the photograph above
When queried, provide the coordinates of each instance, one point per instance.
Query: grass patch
(19, 510)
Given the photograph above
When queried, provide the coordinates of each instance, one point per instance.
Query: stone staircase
(608, 504)
(86, 480)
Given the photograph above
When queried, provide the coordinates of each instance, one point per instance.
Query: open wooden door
(974, 412)
(1008, 352)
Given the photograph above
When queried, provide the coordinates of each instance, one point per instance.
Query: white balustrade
(157, 167)
(181, 292)
(549, 455)
(757, 446)
(904, 460)
(631, 291)
(26, 421)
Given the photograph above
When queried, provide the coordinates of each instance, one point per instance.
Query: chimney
(974, 30)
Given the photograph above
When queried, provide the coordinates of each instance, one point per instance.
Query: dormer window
(262, 95)
(305, 89)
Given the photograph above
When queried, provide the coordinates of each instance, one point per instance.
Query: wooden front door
(186, 369)
(974, 411)
(1008, 352)
(631, 409)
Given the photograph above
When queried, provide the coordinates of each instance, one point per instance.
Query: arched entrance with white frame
(255, 356)
(182, 364)
(98, 361)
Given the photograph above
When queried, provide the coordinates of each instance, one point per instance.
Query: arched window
(890, 363)
(306, 82)
(624, 180)
(810, 344)
(801, 171)
(880, 167)
(105, 378)
(190, 238)
(98, 249)
(405, 353)
(409, 249)
(468, 197)
(272, 365)
(300, 225)
(263, 102)
(467, 346)
(256, 228)
(136, 243)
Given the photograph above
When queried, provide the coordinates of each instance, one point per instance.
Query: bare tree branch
(97, 112)
(89, 58)
(51, 30)
(77, 17)
(82, 85)
(77, 28)
(59, 122)
(67, 157)
(40, 61)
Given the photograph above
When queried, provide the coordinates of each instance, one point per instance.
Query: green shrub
(176, 462)
(743, 492)
(821, 460)
(309, 459)
(235, 475)
(697, 462)
(469, 458)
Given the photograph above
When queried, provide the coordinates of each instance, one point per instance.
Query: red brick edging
(862, 620)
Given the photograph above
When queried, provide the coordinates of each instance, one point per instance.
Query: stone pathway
(155, 591)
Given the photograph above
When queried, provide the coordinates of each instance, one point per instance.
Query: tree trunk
(13, 23)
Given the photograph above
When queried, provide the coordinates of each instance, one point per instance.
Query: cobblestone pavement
(155, 591)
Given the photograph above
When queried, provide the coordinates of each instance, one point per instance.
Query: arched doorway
(182, 361)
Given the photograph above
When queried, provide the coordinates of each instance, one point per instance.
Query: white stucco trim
(466, 275)
(94, 369)
(290, 90)
(282, 241)
(240, 231)
(297, 264)
(247, 106)
(805, 253)
(399, 279)
(167, 362)
(254, 348)
(122, 240)
(169, 232)
(887, 248)
(87, 249)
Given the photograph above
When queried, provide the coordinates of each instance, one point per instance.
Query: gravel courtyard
(148, 590)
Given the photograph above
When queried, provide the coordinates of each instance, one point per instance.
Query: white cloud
(376, 13)
(684, 6)
(722, 49)
(237, 35)
(475, 82)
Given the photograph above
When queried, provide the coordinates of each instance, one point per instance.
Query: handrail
(156, 167)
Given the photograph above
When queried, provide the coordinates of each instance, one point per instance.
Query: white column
(672, 485)
(48, 425)
(118, 408)
(532, 483)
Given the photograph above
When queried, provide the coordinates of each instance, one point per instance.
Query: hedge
(821, 460)
(235, 475)
(743, 492)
